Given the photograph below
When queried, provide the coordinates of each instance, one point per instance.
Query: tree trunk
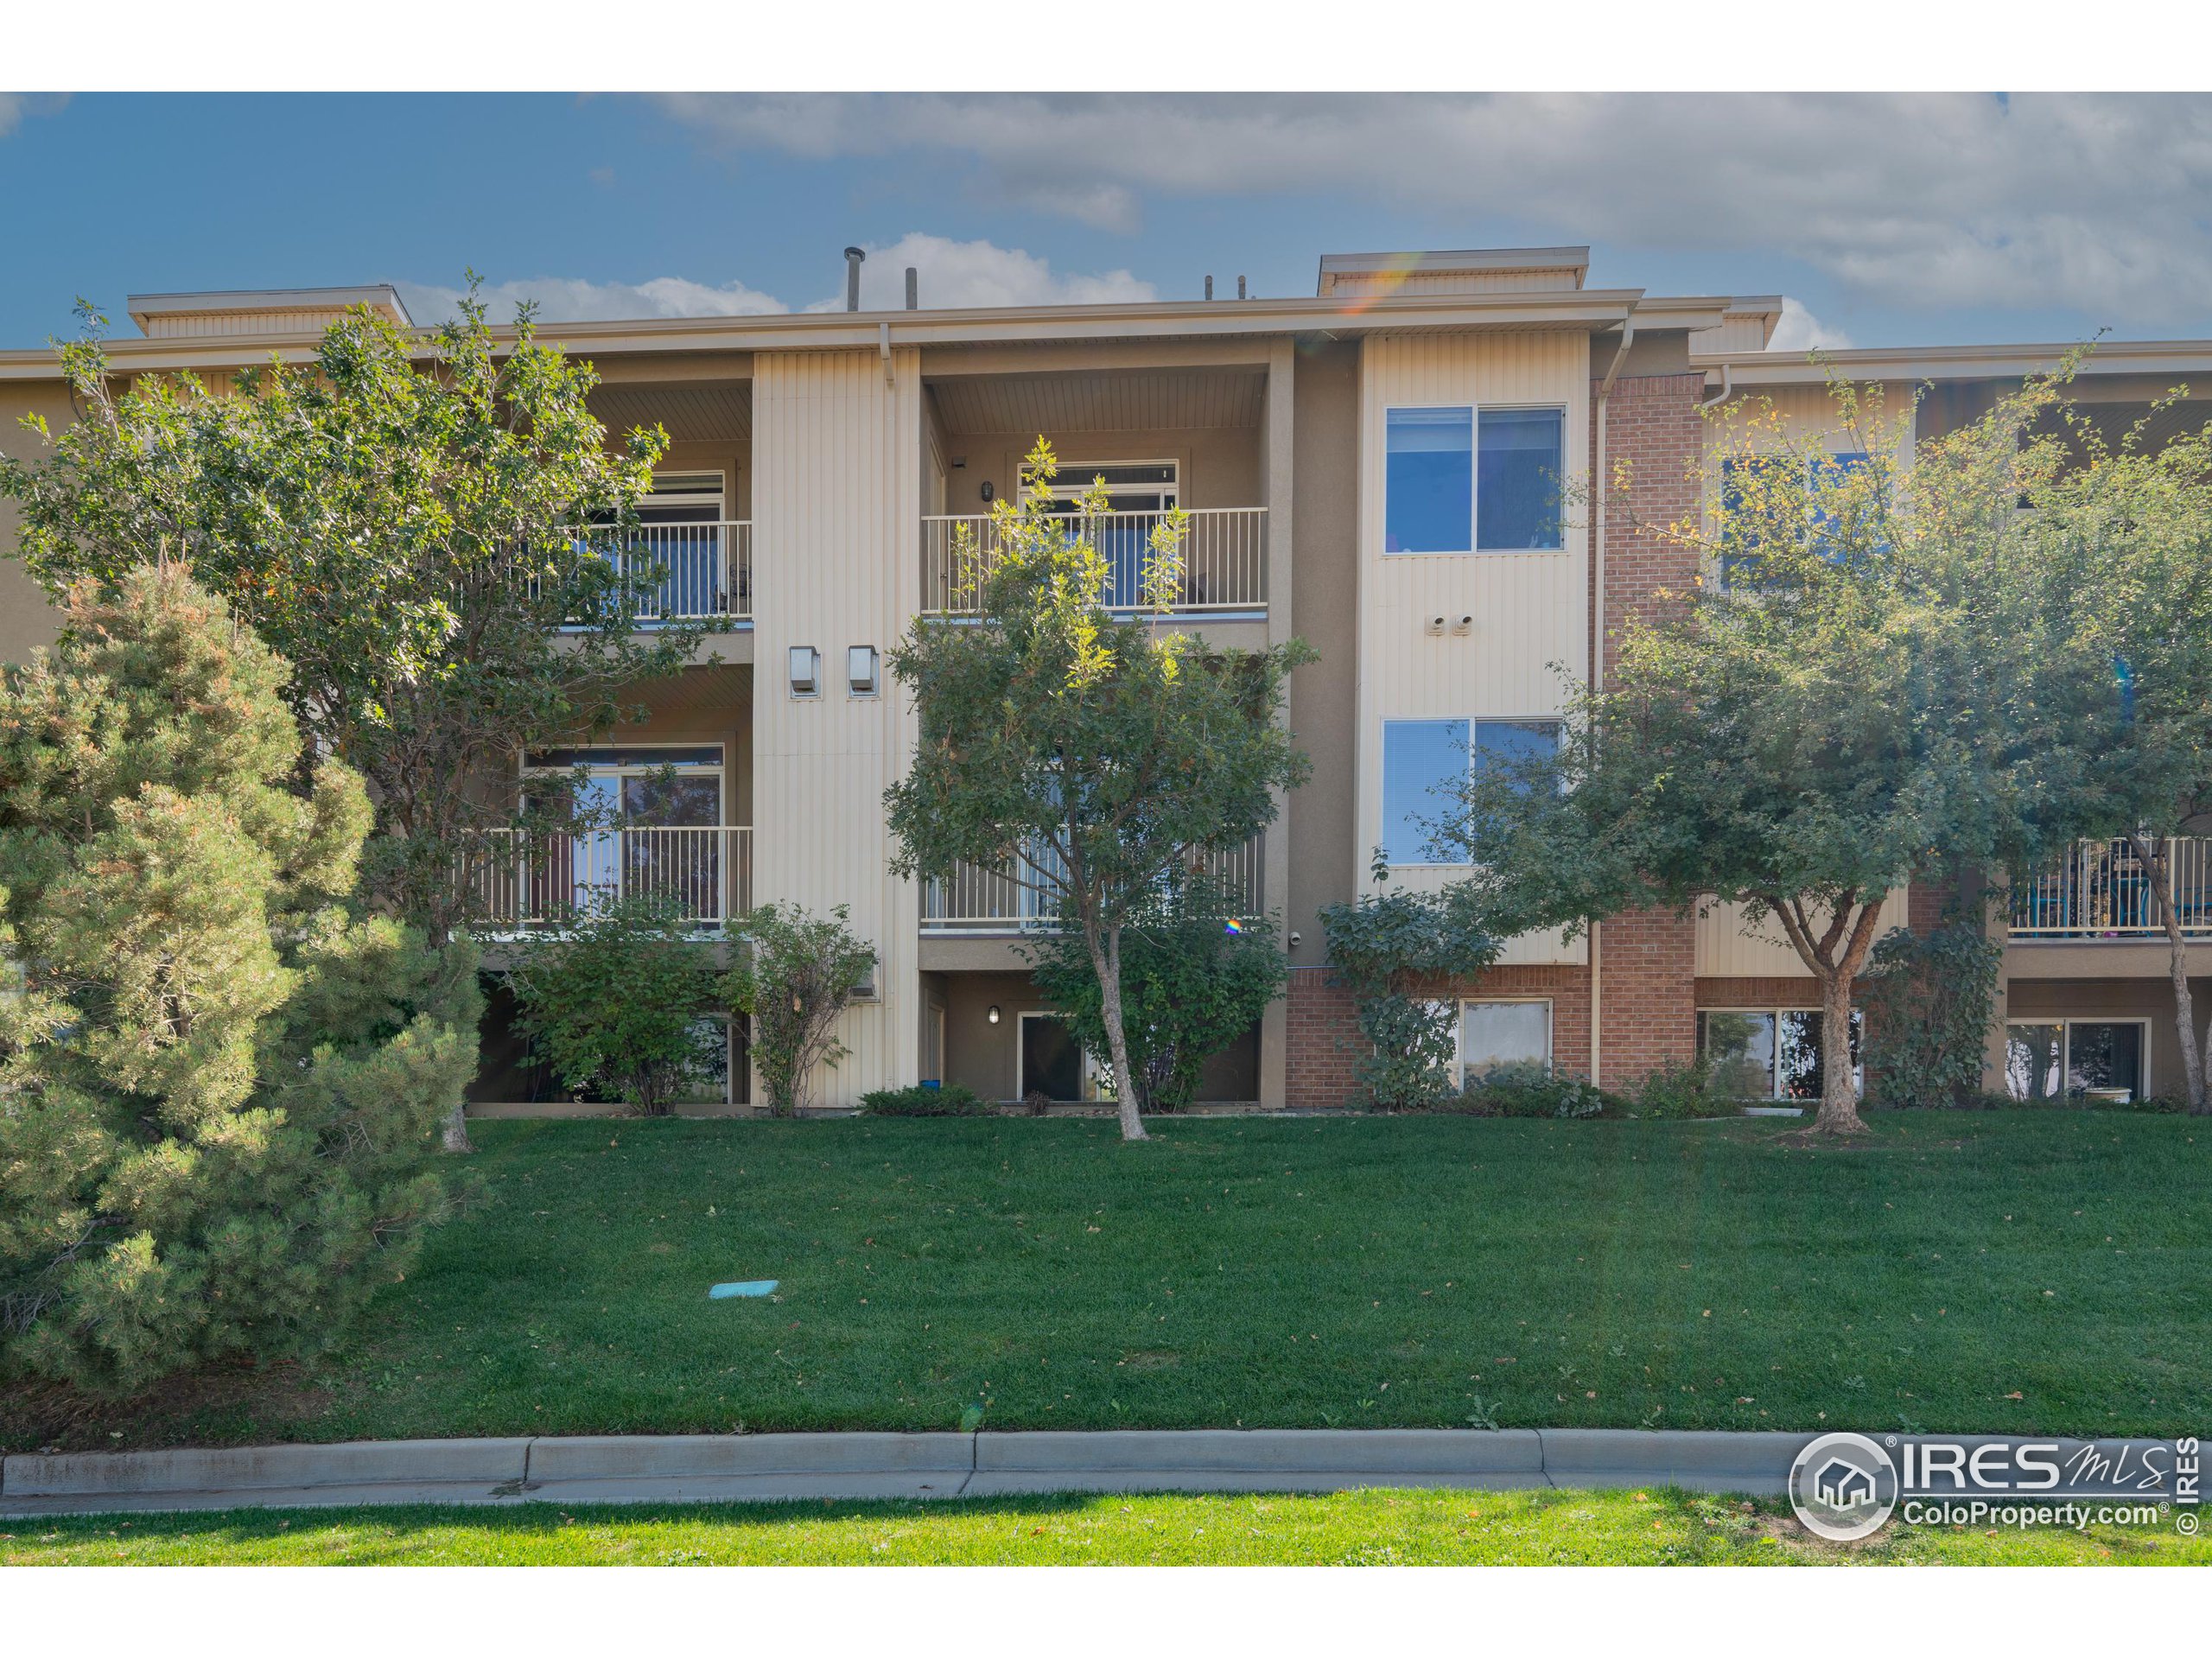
(456, 1137)
(1106, 962)
(1838, 1113)
(2192, 1054)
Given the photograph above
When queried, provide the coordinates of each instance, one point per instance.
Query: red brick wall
(1648, 959)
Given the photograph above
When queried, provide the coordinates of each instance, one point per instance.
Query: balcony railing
(706, 571)
(1224, 559)
(529, 878)
(977, 899)
(2101, 890)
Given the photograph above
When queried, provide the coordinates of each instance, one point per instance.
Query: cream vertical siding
(1531, 610)
(1807, 411)
(1724, 950)
(836, 501)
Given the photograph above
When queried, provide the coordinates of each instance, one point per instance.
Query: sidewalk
(702, 1468)
(712, 1467)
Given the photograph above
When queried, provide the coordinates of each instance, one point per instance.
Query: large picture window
(1502, 1034)
(1769, 1053)
(1424, 760)
(2077, 1060)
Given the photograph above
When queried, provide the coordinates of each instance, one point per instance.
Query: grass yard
(2036, 1271)
(1655, 1528)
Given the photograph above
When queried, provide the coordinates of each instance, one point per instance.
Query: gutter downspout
(1727, 389)
(1603, 485)
(883, 345)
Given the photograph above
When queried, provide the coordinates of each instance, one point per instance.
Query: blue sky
(1887, 219)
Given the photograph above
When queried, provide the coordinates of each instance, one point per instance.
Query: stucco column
(837, 508)
(1278, 477)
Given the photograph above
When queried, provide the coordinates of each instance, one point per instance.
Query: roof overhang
(1953, 362)
(1189, 320)
(274, 303)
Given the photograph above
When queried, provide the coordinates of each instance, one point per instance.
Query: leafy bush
(1930, 999)
(1526, 1089)
(621, 999)
(1385, 946)
(800, 974)
(1192, 981)
(947, 1100)
(1680, 1090)
(220, 1085)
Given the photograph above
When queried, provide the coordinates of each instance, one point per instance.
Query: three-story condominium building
(1373, 468)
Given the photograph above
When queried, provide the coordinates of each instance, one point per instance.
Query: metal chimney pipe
(852, 257)
(913, 289)
(1240, 287)
(1209, 285)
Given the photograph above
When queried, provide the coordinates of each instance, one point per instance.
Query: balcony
(707, 571)
(1224, 560)
(2101, 890)
(979, 899)
(531, 879)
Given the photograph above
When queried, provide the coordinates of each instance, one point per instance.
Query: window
(1769, 1053)
(1744, 505)
(647, 820)
(1502, 1034)
(1456, 480)
(1424, 761)
(2077, 1060)
(1428, 485)
(1517, 480)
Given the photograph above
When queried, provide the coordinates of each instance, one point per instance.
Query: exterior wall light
(994, 1015)
(806, 672)
(861, 670)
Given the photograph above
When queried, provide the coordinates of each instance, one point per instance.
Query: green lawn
(2047, 1271)
(1655, 1527)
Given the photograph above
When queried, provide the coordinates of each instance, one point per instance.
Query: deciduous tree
(1088, 755)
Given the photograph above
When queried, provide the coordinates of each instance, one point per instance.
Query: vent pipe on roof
(1240, 287)
(1209, 285)
(852, 257)
(913, 289)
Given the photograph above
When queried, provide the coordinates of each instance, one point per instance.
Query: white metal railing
(1224, 558)
(533, 877)
(981, 899)
(706, 571)
(2100, 889)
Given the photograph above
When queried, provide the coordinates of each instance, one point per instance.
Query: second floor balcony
(698, 572)
(2103, 890)
(526, 879)
(1224, 559)
(980, 899)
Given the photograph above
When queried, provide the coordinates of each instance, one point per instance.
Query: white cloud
(2096, 201)
(954, 275)
(568, 299)
(1799, 330)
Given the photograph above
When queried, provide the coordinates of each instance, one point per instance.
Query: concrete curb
(605, 1469)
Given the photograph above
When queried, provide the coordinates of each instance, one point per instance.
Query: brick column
(1648, 959)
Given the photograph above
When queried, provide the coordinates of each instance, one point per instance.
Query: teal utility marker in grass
(742, 1288)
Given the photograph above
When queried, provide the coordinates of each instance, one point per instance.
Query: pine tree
(218, 1082)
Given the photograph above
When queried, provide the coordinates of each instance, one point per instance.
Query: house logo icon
(1843, 1487)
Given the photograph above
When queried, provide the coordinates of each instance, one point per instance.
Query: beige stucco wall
(1216, 468)
(1725, 949)
(27, 621)
(1530, 609)
(835, 497)
(1324, 612)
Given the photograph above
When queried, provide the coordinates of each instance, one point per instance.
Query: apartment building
(1369, 468)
